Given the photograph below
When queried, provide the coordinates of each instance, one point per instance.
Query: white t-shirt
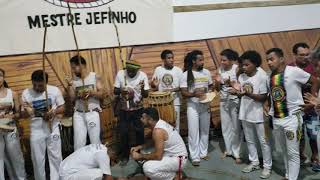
(262, 71)
(89, 83)
(93, 156)
(251, 110)
(7, 101)
(38, 103)
(294, 78)
(174, 145)
(232, 74)
(134, 85)
(202, 80)
(169, 79)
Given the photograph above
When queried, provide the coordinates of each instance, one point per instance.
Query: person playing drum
(170, 154)
(9, 140)
(43, 110)
(132, 86)
(167, 78)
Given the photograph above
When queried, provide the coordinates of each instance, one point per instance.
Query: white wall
(244, 21)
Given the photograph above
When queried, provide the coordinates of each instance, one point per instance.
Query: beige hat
(208, 97)
(6, 128)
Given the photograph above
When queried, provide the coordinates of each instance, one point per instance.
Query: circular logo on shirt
(13, 135)
(278, 93)
(290, 135)
(167, 79)
(248, 87)
(79, 3)
(55, 137)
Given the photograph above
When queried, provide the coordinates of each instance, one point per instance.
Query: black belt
(86, 111)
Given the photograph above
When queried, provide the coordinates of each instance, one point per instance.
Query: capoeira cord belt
(278, 94)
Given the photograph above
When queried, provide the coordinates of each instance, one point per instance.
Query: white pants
(11, 155)
(286, 131)
(164, 169)
(40, 143)
(198, 129)
(88, 174)
(177, 111)
(251, 130)
(84, 123)
(230, 126)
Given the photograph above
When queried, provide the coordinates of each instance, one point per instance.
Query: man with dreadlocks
(196, 81)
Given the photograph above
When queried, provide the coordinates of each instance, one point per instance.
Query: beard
(199, 68)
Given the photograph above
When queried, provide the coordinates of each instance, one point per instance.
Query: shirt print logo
(79, 3)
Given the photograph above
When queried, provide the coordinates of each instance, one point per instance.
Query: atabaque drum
(163, 102)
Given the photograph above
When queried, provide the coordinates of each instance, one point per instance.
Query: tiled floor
(226, 169)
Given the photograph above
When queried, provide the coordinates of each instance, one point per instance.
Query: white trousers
(84, 123)
(198, 116)
(230, 126)
(40, 143)
(286, 132)
(88, 174)
(164, 169)
(177, 111)
(11, 155)
(251, 132)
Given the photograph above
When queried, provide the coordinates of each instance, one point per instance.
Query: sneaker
(316, 167)
(195, 163)
(265, 174)
(251, 167)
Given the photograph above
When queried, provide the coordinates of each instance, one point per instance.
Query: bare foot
(238, 161)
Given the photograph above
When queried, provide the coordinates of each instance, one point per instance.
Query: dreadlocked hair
(188, 64)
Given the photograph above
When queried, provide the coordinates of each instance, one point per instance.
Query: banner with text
(138, 22)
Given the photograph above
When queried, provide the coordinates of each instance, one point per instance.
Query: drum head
(158, 93)
(66, 122)
(6, 128)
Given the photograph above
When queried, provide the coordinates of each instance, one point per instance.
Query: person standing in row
(45, 112)
(253, 93)
(286, 100)
(167, 78)
(86, 90)
(132, 86)
(197, 81)
(10, 148)
(229, 104)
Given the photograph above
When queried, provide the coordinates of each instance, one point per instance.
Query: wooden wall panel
(107, 61)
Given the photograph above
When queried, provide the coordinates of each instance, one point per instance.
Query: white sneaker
(251, 167)
(265, 174)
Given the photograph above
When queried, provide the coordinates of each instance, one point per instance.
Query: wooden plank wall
(107, 61)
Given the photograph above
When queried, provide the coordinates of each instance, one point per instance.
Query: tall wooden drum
(23, 126)
(163, 102)
(108, 121)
